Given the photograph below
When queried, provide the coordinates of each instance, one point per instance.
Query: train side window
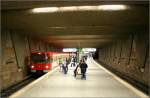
(51, 59)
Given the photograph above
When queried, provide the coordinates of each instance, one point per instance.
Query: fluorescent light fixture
(69, 8)
(69, 49)
(45, 9)
(112, 7)
(79, 8)
(89, 49)
(87, 8)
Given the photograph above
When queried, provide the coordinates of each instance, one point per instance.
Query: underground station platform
(113, 35)
(100, 83)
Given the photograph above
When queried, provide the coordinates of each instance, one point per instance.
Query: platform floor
(98, 84)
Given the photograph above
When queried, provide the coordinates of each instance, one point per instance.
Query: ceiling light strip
(79, 8)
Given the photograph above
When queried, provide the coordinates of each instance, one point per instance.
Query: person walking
(83, 67)
(67, 63)
(64, 66)
(76, 69)
(60, 65)
(73, 61)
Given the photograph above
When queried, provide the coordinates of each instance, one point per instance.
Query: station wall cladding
(16, 49)
(129, 58)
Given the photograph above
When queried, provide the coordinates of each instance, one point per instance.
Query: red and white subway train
(46, 61)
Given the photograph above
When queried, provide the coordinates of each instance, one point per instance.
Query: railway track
(14, 88)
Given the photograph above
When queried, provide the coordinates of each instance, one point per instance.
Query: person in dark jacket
(64, 68)
(73, 61)
(76, 69)
(83, 67)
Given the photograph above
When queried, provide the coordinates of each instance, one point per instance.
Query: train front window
(39, 58)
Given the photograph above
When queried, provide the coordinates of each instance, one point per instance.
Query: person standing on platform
(60, 65)
(83, 67)
(73, 61)
(66, 62)
(64, 66)
(76, 69)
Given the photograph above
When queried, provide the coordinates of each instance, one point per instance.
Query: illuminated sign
(89, 50)
(69, 49)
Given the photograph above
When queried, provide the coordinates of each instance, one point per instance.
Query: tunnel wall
(16, 48)
(130, 57)
(0, 64)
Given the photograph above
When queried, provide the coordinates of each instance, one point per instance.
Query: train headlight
(46, 66)
(32, 66)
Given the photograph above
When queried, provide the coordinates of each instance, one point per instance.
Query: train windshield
(39, 58)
